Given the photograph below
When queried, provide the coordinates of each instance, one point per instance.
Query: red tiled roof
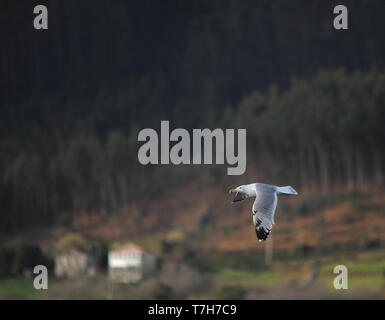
(130, 247)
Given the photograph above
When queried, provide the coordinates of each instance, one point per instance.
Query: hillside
(209, 249)
(205, 214)
(352, 220)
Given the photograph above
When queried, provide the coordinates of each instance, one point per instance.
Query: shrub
(206, 220)
(6, 258)
(302, 208)
(358, 201)
(26, 257)
(166, 246)
(233, 292)
(308, 206)
(367, 243)
(287, 212)
(248, 260)
(346, 217)
(374, 227)
(161, 291)
(302, 250)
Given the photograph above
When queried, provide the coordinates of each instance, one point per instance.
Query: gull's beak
(239, 196)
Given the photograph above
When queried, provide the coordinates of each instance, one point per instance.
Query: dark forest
(73, 97)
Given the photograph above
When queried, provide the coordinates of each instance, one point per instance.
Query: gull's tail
(286, 190)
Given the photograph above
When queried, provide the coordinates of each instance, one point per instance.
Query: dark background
(74, 97)
(103, 70)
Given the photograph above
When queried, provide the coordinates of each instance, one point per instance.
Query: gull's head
(242, 192)
(237, 189)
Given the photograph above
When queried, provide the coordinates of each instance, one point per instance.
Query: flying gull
(264, 204)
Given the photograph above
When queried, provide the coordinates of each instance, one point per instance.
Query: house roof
(72, 242)
(72, 251)
(130, 247)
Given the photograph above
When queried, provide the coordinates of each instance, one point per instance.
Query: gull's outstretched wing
(263, 211)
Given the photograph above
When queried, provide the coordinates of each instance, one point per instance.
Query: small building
(74, 256)
(74, 262)
(130, 263)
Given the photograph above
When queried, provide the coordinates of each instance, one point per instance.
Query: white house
(130, 263)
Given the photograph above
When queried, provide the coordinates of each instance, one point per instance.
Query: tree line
(73, 97)
(322, 134)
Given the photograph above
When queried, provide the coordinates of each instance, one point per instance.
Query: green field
(18, 289)
(283, 279)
